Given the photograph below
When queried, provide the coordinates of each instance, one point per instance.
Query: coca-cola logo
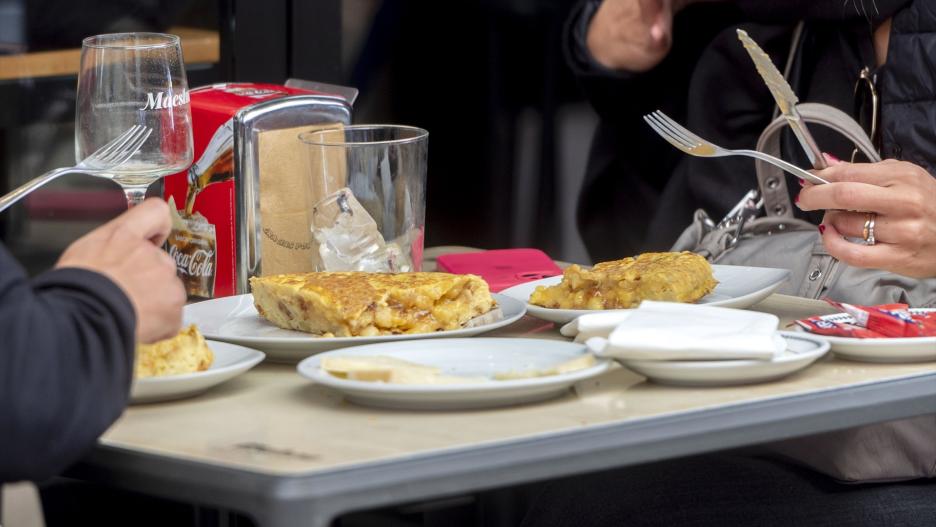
(198, 263)
(164, 100)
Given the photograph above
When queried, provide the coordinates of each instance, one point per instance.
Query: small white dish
(802, 350)
(235, 319)
(479, 357)
(738, 287)
(888, 350)
(230, 361)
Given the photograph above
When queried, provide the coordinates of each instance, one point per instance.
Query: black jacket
(639, 193)
(908, 87)
(66, 360)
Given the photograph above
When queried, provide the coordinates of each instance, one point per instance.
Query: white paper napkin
(595, 324)
(673, 331)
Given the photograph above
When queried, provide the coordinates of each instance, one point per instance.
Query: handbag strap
(771, 180)
(822, 268)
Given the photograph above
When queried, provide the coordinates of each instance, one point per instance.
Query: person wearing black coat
(65, 365)
(67, 339)
(639, 192)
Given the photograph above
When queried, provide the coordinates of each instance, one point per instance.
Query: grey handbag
(899, 450)
(781, 240)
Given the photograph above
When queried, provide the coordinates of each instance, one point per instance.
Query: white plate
(912, 349)
(235, 319)
(802, 350)
(467, 357)
(738, 286)
(229, 361)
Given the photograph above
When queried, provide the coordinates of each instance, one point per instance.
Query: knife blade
(785, 97)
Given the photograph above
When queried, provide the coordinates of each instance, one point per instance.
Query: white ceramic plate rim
(309, 368)
(251, 358)
(505, 303)
(535, 310)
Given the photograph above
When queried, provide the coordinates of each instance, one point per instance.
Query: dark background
(509, 132)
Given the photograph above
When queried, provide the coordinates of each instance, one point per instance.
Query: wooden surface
(199, 46)
(271, 420)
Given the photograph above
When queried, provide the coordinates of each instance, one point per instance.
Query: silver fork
(681, 138)
(106, 158)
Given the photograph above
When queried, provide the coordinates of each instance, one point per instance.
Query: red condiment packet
(928, 321)
(837, 329)
(890, 320)
(887, 320)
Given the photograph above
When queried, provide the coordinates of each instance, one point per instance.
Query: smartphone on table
(501, 268)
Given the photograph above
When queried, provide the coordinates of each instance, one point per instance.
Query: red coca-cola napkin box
(222, 185)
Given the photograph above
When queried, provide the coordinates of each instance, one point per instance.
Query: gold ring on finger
(868, 232)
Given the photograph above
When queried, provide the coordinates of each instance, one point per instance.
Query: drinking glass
(368, 188)
(128, 79)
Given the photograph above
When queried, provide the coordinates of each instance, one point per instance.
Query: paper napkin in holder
(290, 183)
(671, 331)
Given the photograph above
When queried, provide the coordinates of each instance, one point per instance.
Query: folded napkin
(595, 324)
(672, 331)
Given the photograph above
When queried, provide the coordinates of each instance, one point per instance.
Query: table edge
(325, 494)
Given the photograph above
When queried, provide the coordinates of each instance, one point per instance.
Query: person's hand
(632, 35)
(903, 197)
(127, 250)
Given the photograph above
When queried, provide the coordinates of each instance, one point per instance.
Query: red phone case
(501, 268)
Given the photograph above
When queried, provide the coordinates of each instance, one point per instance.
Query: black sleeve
(786, 11)
(576, 51)
(620, 97)
(66, 360)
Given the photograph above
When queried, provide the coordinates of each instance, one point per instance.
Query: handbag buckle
(750, 207)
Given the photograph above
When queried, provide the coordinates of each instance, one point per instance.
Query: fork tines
(121, 148)
(674, 133)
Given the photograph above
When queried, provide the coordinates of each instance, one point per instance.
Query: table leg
(292, 514)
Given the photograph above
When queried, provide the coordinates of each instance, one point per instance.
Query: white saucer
(738, 286)
(802, 350)
(235, 319)
(911, 349)
(478, 357)
(230, 361)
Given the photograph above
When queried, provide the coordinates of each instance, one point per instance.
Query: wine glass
(128, 79)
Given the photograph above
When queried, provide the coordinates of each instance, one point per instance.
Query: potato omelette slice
(187, 352)
(621, 284)
(347, 304)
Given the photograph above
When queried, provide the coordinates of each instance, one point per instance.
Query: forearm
(65, 366)
(620, 97)
(578, 56)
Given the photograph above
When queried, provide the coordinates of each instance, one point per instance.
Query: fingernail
(832, 160)
(802, 183)
(821, 229)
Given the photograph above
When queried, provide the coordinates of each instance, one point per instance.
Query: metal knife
(786, 99)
